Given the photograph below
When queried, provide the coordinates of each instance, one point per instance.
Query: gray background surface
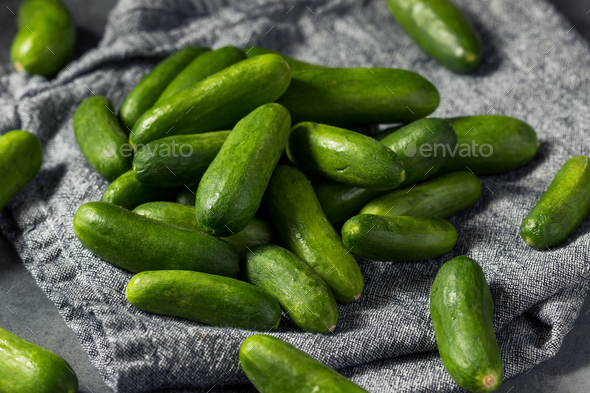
(27, 312)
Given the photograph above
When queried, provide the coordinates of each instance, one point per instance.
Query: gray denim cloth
(535, 69)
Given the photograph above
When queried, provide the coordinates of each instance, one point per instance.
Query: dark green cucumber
(136, 243)
(303, 295)
(418, 145)
(274, 366)
(440, 197)
(45, 39)
(101, 139)
(344, 156)
(128, 192)
(562, 208)
(187, 195)
(441, 30)
(231, 189)
(205, 298)
(462, 313)
(403, 238)
(294, 64)
(505, 143)
(21, 156)
(160, 164)
(200, 68)
(257, 231)
(147, 91)
(217, 102)
(27, 367)
(340, 96)
(306, 231)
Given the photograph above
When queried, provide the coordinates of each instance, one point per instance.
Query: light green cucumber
(128, 192)
(294, 64)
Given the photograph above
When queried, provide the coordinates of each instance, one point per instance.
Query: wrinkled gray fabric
(535, 69)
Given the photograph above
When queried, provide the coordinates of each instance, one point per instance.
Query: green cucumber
(303, 295)
(101, 139)
(21, 156)
(344, 156)
(562, 208)
(128, 192)
(147, 91)
(217, 102)
(441, 197)
(257, 231)
(45, 39)
(341, 96)
(136, 243)
(187, 195)
(231, 189)
(294, 64)
(442, 30)
(306, 231)
(205, 298)
(159, 164)
(27, 367)
(200, 68)
(404, 238)
(274, 366)
(462, 313)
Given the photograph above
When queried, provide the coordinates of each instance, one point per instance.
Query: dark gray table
(28, 313)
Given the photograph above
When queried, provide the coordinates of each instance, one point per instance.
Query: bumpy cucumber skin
(440, 197)
(231, 189)
(306, 231)
(562, 208)
(21, 156)
(344, 156)
(187, 195)
(205, 298)
(136, 243)
(200, 68)
(128, 192)
(341, 96)
(101, 139)
(274, 366)
(303, 295)
(462, 313)
(257, 231)
(408, 141)
(217, 102)
(441, 30)
(46, 37)
(404, 238)
(147, 91)
(160, 165)
(294, 64)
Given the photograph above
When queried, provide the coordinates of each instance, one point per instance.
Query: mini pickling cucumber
(306, 231)
(101, 139)
(403, 238)
(440, 197)
(205, 298)
(294, 64)
(274, 366)
(441, 30)
(303, 295)
(200, 68)
(187, 195)
(136, 243)
(177, 160)
(45, 39)
(147, 91)
(217, 102)
(257, 231)
(344, 156)
(462, 313)
(341, 96)
(128, 192)
(231, 189)
(562, 208)
(21, 156)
